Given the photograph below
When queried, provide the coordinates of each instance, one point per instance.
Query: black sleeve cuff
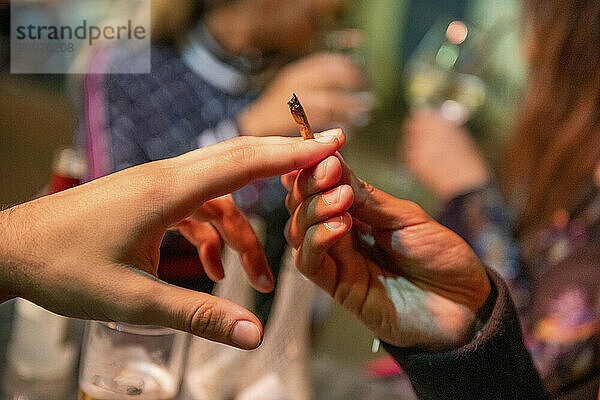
(494, 365)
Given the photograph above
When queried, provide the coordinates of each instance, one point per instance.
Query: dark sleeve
(495, 365)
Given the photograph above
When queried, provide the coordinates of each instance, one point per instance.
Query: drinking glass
(443, 72)
(122, 362)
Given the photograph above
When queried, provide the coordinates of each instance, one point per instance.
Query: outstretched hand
(92, 251)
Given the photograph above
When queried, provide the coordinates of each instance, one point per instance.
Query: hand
(327, 85)
(442, 155)
(219, 220)
(92, 252)
(411, 281)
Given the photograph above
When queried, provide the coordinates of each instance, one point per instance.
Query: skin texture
(92, 251)
(406, 277)
(442, 155)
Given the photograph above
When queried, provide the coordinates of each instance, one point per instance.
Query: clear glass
(122, 361)
(443, 71)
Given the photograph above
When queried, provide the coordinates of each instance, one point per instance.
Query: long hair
(556, 147)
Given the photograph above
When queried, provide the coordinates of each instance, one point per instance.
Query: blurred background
(413, 55)
(39, 115)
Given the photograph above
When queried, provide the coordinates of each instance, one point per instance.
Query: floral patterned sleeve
(481, 218)
(556, 292)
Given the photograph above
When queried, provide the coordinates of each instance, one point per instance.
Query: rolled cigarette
(300, 117)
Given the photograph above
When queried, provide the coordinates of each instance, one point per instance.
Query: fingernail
(246, 335)
(332, 197)
(265, 283)
(326, 136)
(335, 223)
(320, 170)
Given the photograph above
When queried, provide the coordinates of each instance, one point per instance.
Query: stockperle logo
(80, 36)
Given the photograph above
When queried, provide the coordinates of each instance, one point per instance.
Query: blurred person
(541, 233)
(92, 251)
(202, 88)
(207, 60)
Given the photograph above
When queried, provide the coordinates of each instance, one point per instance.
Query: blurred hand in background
(442, 155)
(330, 86)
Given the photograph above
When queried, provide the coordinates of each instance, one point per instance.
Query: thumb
(213, 171)
(379, 209)
(154, 302)
(211, 317)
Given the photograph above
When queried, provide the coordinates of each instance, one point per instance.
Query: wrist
(13, 227)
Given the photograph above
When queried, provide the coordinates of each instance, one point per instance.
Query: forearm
(30, 246)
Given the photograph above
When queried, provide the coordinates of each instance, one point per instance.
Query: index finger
(207, 173)
(313, 180)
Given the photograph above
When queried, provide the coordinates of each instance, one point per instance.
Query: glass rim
(142, 330)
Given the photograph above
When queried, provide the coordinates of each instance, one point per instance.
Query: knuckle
(241, 153)
(343, 296)
(306, 183)
(363, 193)
(241, 142)
(290, 203)
(301, 263)
(414, 208)
(136, 309)
(205, 321)
(154, 178)
(287, 232)
(295, 233)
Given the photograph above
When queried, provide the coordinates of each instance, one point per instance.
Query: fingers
(207, 173)
(316, 209)
(287, 180)
(222, 219)
(313, 260)
(236, 231)
(118, 292)
(370, 205)
(311, 181)
(208, 242)
(378, 209)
